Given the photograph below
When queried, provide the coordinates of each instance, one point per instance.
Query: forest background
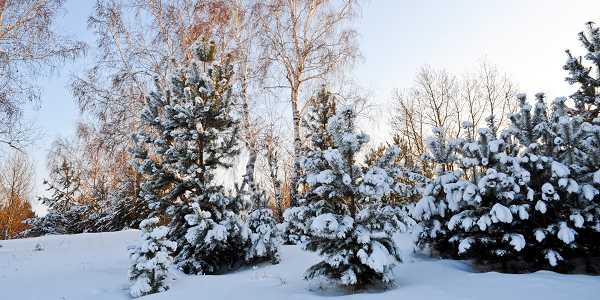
(525, 41)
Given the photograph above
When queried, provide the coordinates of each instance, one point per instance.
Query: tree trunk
(250, 142)
(9, 218)
(352, 201)
(589, 268)
(297, 149)
(249, 178)
(272, 160)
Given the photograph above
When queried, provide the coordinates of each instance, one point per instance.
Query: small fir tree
(124, 208)
(431, 209)
(150, 261)
(351, 227)
(263, 240)
(410, 177)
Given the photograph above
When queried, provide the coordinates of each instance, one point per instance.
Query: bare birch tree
(307, 40)
(433, 101)
(497, 90)
(30, 47)
(439, 99)
(244, 33)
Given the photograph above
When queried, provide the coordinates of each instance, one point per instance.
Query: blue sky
(525, 39)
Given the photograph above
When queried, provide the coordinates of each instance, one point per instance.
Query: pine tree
(567, 215)
(431, 209)
(192, 134)
(549, 186)
(150, 261)
(314, 122)
(492, 210)
(351, 227)
(84, 216)
(410, 176)
(587, 96)
(587, 206)
(586, 100)
(65, 210)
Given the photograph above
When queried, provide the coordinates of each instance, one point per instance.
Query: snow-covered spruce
(408, 174)
(193, 134)
(560, 173)
(357, 251)
(293, 230)
(351, 228)
(150, 261)
(431, 209)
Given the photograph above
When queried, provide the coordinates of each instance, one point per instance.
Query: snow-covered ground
(94, 266)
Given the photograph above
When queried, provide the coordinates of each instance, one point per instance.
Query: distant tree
(107, 180)
(123, 208)
(30, 46)
(17, 176)
(439, 98)
(68, 210)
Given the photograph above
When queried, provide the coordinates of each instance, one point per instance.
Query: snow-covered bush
(293, 230)
(519, 198)
(263, 239)
(150, 261)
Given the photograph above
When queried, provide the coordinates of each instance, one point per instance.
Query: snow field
(94, 266)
